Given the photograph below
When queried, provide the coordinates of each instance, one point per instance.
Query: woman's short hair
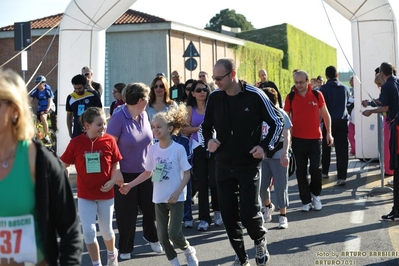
(13, 91)
(135, 91)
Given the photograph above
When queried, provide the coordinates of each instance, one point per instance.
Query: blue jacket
(336, 96)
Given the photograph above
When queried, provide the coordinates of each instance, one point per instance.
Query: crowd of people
(226, 141)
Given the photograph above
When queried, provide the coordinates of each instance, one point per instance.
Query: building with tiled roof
(138, 46)
(129, 17)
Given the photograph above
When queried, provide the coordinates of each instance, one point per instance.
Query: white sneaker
(191, 257)
(262, 255)
(268, 211)
(175, 262)
(316, 202)
(155, 246)
(237, 262)
(306, 207)
(125, 256)
(217, 218)
(113, 261)
(188, 224)
(203, 226)
(282, 222)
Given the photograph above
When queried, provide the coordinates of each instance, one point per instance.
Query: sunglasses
(201, 89)
(201, 76)
(220, 78)
(161, 86)
(86, 74)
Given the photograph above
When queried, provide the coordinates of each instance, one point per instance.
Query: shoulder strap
(291, 97)
(316, 94)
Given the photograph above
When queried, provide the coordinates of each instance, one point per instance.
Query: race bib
(18, 239)
(81, 109)
(157, 173)
(93, 162)
(174, 94)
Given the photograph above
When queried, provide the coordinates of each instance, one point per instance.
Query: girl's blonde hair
(89, 115)
(176, 117)
(13, 90)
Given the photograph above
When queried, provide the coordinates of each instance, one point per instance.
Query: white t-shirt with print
(174, 162)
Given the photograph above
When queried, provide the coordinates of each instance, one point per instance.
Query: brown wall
(35, 56)
(210, 51)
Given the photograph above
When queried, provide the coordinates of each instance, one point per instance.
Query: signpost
(22, 39)
(191, 64)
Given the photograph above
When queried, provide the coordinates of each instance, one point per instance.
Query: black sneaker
(390, 216)
(261, 253)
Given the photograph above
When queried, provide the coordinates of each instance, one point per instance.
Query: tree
(229, 18)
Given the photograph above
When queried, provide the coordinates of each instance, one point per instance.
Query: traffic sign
(191, 64)
(191, 51)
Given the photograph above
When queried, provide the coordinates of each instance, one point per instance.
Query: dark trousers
(396, 190)
(238, 193)
(188, 211)
(204, 172)
(339, 131)
(126, 211)
(307, 150)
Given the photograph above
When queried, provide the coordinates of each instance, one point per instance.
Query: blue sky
(308, 16)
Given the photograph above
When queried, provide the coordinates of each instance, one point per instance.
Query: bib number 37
(18, 238)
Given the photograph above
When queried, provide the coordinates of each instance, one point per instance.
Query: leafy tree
(229, 18)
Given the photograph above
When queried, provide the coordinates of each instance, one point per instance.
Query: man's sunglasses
(220, 78)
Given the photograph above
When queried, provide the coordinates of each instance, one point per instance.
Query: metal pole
(382, 189)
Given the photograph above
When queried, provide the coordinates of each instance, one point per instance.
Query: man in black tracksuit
(236, 111)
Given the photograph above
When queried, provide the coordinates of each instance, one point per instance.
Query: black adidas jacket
(238, 124)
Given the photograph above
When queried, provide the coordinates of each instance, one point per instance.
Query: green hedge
(299, 51)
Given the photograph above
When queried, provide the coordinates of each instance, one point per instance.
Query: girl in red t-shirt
(96, 157)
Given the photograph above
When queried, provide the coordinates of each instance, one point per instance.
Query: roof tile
(129, 17)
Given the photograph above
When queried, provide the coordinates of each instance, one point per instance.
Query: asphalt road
(347, 231)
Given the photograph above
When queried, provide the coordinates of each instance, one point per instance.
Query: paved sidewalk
(348, 222)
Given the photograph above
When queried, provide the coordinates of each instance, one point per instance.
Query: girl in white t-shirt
(168, 167)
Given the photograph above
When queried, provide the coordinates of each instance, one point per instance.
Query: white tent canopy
(374, 40)
(374, 33)
(82, 43)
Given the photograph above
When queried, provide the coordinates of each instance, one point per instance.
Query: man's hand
(329, 139)
(257, 152)
(213, 145)
(367, 113)
(365, 103)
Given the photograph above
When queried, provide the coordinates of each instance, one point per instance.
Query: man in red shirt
(304, 108)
